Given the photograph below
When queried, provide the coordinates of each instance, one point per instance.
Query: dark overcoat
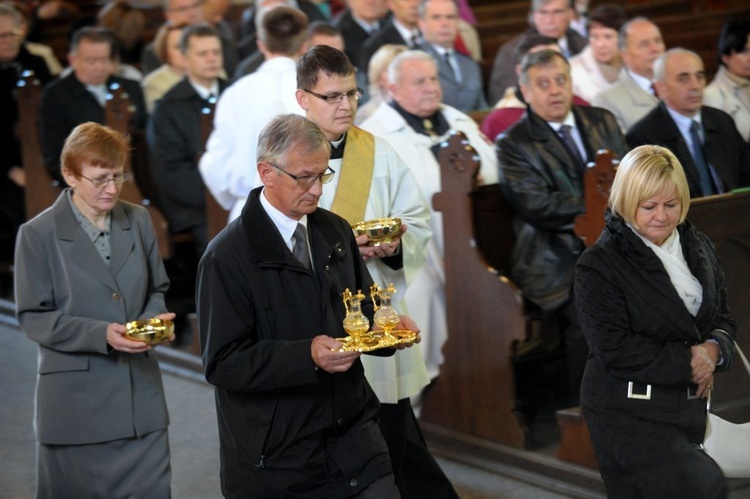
(637, 395)
(285, 427)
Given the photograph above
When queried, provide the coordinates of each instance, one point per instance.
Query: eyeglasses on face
(186, 8)
(100, 182)
(352, 95)
(11, 35)
(308, 181)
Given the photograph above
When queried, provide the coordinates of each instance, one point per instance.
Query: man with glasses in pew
(82, 95)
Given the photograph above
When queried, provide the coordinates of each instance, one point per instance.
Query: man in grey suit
(633, 95)
(460, 76)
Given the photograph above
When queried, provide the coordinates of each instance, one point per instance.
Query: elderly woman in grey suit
(85, 267)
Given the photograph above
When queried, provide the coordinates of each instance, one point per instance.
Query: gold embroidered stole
(353, 189)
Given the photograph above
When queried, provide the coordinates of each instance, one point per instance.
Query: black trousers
(417, 473)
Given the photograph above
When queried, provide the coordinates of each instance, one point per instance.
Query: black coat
(385, 35)
(282, 422)
(66, 103)
(175, 145)
(723, 147)
(546, 192)
(354, 36)
(639, 330)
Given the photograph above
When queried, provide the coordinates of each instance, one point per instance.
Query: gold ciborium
(380, 231)
(385, 316)
(355, 323)
(151, 331)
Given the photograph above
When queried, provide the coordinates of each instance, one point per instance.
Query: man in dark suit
(296, 414)
(402, 30)
(460, 76)
(548, 18)
(175, 133)
(357, 23)
(705, 140)
(81, 96)
(542, 159)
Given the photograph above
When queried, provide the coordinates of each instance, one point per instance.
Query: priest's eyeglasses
(308, 181)
(352, 95)
(100, 182)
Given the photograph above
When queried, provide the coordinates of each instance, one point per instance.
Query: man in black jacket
(81, 96)
(542, 160)
(296, 415)
(176, 132)
(705, 139)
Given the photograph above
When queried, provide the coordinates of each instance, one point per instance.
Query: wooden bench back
(118, 113)
(41, 189)
(475, 394)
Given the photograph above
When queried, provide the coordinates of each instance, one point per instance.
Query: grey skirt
(128, 468)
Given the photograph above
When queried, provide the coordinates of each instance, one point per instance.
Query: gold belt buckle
(640, 396)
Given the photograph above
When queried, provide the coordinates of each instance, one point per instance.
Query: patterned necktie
(570, 143)
(700, 161)
(301, 251)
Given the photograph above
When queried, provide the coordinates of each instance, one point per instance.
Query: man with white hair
(415, 123)
(705, 140)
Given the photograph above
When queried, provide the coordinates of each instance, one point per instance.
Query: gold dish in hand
(375, 340)
(380, 230)
(150, 331)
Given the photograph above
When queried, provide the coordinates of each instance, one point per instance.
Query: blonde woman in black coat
(652, 305)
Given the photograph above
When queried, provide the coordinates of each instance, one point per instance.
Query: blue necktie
(700, 161)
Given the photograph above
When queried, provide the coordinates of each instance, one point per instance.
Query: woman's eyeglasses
(100, 182)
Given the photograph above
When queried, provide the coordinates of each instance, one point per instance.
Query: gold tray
(375, 340)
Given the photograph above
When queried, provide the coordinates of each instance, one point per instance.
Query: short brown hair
(283, 30)
(94, 145)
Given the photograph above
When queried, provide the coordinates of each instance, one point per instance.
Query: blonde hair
(643, 173)
(379, 63)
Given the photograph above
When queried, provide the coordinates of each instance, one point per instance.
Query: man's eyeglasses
(308, 181)
(186, 8)
(100, 182)
(11, 35)
(351, 95)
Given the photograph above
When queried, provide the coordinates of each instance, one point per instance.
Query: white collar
(203, 91)
(285, 225)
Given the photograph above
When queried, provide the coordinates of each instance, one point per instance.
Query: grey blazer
(626, 100)
(466, 95)
(65, 298)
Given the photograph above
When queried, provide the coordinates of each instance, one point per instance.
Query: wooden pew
(41, 189)
(488, 318)
(118, 112)
(216, 216)
(475, 394)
